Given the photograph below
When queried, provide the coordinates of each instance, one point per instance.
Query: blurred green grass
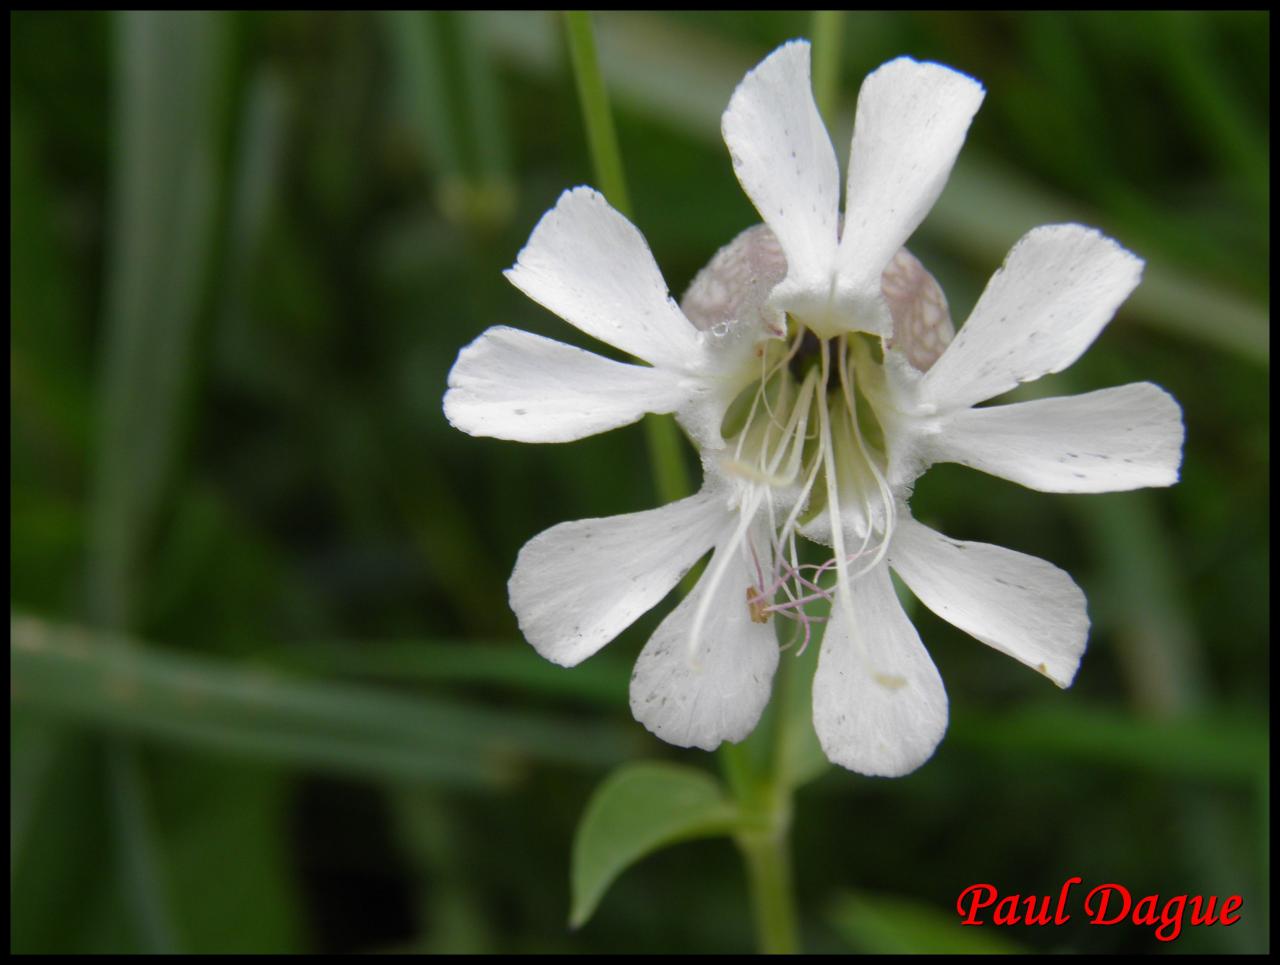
(236, 293)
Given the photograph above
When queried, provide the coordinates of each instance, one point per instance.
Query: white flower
(813, 365)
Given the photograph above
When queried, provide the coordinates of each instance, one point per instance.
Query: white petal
(578, 585)
(593, 268)
(879, 706)
(785, 163)
(912, 119)
(510, 384)
(699, 696)
(1057, 289)
(1126, 437)
(1020, 605)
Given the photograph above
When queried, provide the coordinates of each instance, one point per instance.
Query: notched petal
(593, 268)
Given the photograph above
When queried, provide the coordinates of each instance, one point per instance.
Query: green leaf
(878, 925)
(637, 810)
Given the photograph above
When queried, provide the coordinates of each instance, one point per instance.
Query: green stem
(756, 772)
(671, 473)
(594, 98)
(828, 37)
(768, 864)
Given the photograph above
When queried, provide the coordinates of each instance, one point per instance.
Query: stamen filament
(882, 484)
(833, 494)
(770, 452)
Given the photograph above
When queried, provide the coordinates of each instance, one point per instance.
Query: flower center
(807, 453)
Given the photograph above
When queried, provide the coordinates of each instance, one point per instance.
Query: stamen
(768, 457)
(806, 490)
(882, 484)
(785, 362)
(756, 560)
(820, 595)
(770, 451)
(755, 604)
(833, 494)
(766, 376)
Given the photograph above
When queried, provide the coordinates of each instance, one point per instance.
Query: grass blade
(139, 864)
(168, 68)
(254, 185)
(105, 680)
(1196, 747)
(415, 43)
(164, 195)
(602, 139)
(601, 683)
(34, 747)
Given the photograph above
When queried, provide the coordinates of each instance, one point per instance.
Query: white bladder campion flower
(813, 364)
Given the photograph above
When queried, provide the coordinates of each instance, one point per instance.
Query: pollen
(757, 606)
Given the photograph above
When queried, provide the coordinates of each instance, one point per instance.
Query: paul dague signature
(1108, 904)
